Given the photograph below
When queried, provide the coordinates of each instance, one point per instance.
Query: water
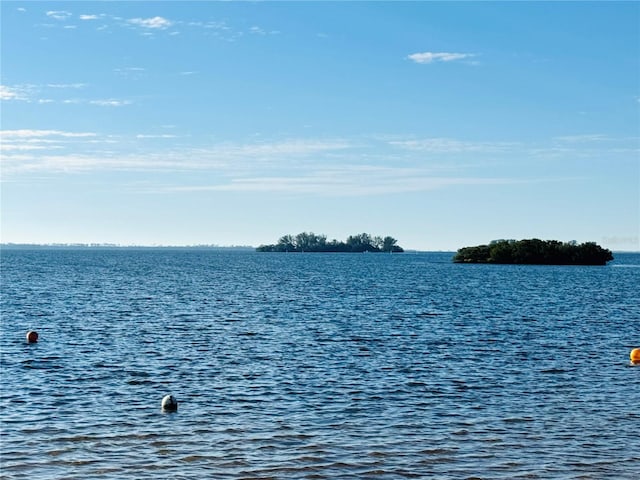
(322, 366)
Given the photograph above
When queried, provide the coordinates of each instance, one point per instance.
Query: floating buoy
(32, 336)
(635, 356)
(169, 403)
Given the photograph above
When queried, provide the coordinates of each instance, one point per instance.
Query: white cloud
(153, 23)
(288, 147)
(166, 135)
(26, 149)
(11, 93)
(320, 167)
(345, 181)
(449, 145)
(42, 94)
(31, 92)
(89, 161)
(83, 156)
(431, 57)
(148, 26)
(132, 73)
(59, 14)
(110, 103)
(261, 31)
(25, 133)
(590, 137)
(66, 85)
(23, 147)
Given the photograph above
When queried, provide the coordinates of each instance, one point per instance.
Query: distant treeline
(535, 251)
(114, 246)
(310, 242)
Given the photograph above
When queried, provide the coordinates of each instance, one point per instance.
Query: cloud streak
(83, 156)
(449, 145)
(434, 57)
(59, 14)
(110, 103)
(152, 25)
(345, 181)
(44, 94)
(316, 167)
(160, 23)
(11, 93)
(26, 133)
(299, 167)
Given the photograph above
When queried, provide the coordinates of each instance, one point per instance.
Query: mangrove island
(535, 252)
(310, 242)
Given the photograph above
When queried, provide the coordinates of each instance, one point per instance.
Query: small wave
(555, 371)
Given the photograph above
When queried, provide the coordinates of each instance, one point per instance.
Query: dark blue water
(322, 366)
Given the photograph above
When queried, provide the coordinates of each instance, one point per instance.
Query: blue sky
(442, 124)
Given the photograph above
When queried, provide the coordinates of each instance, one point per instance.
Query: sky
(442, 124)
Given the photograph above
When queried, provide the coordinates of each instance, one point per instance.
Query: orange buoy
(635, 356)
(32, 336)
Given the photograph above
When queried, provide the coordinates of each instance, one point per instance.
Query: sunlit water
(323, 366)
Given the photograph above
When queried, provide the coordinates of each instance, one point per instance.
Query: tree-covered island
(310, 242)
(535, 252)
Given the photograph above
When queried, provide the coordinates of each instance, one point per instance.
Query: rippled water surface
(316, 366)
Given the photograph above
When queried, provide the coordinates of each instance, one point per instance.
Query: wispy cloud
(261, 31)
(131, 73)
(54, 93)
(152, 23)
(450, 145)
(590, 137)
(26, 133)
(66, 85)
(27, 150)
(165, 135)
(432, 57)
(8, 147)
(59, 14)
(111, 102)
(288, 147)
(85, 157)
(302, 166)
(12, 93)
(345, 181)
(35, 93)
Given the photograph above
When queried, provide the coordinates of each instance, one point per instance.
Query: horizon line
(159, 246)
(211, 246)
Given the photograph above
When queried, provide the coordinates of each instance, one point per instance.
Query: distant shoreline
(103, 246)
(107, 246)
(238, 248)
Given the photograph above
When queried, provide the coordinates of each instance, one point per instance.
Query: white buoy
(169, 403)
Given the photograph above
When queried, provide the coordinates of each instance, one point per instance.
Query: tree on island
(310, 242)
(535, 251)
